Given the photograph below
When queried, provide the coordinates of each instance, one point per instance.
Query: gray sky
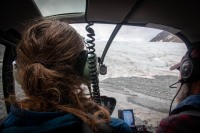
(51, 7)
(126, 33)
(102, 31)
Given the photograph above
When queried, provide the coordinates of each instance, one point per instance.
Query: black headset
(85, 64)
(190, 67)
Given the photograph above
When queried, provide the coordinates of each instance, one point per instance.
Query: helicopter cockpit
(131, 44)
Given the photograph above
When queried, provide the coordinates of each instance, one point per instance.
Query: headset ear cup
(91, 66)
(86, 70)
(81, 62)
(189, 68)
(196, 70)
(186, 69)
(87, 64)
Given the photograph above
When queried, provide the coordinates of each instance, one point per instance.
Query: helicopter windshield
(138, 74)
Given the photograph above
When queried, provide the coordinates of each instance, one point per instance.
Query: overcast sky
(51, 7)
(102, 31)
(126, 33)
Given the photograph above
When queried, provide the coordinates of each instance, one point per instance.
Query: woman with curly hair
(47, 58)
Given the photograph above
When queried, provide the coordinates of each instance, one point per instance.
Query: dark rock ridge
(165, 36)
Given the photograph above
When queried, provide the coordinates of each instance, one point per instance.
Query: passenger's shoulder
(179, 123)
(176, 118)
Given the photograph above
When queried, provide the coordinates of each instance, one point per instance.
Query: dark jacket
(180, 121)
(23, 121)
